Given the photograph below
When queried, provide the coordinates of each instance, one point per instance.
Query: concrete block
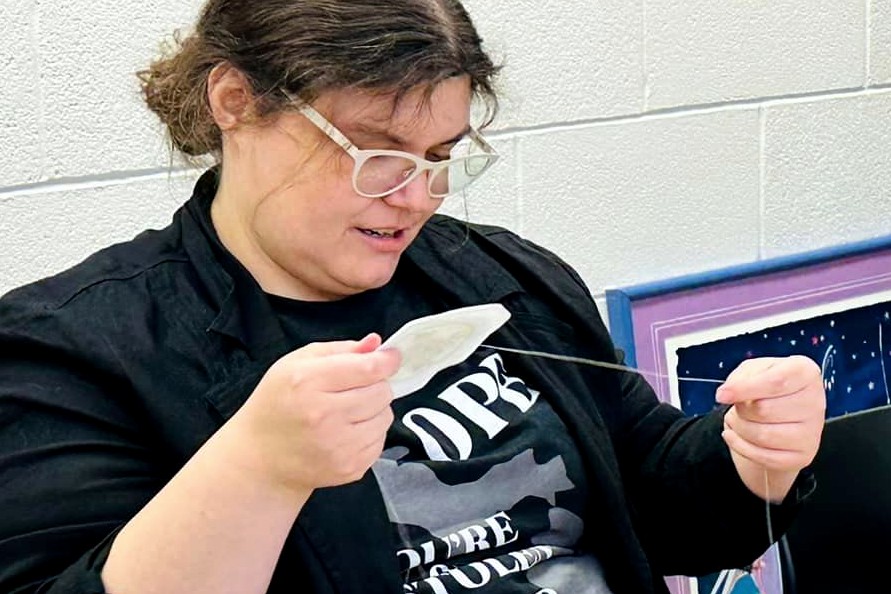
(44, 233)
(703, 52)
(20, 159)
(564, 61)
(827, 172)
(646, 200)
(94, 118)
(880, 42)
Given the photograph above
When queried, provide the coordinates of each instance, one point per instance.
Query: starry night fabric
(852, 347)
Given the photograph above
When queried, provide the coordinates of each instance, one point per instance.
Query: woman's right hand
(319, 417)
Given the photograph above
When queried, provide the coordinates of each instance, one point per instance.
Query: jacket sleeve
(689, 507)
(692, 512)
(73, 468)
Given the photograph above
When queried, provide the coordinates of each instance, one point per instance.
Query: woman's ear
(229, 95)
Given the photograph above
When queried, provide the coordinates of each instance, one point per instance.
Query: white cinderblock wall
(641, 139)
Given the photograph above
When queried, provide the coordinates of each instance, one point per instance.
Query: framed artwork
(832, 305)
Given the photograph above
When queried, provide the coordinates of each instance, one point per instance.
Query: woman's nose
(414, 196)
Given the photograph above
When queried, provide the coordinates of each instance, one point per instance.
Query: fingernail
(722, 394)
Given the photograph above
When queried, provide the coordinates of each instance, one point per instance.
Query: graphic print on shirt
(485, 489)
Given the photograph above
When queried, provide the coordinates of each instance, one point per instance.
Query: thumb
(745, 380)
(367, 344)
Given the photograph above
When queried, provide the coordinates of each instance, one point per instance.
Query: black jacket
(115, 372)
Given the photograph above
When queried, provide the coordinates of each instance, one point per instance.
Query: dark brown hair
(307, 47)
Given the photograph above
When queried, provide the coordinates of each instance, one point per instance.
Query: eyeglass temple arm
(322, 123)
(310, 113)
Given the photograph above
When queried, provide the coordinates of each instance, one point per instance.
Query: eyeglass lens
(384, 173)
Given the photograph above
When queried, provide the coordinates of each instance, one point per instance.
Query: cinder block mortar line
(687, 110)
(123, 177)
(103, 180)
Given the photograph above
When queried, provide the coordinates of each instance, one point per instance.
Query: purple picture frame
(650, 322)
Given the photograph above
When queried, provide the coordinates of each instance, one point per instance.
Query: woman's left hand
(775, 422)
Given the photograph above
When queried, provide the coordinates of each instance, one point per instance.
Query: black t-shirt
(484, 487)
(382, 310)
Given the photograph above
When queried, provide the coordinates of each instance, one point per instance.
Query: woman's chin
(371, 277)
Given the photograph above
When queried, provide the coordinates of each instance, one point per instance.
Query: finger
(743, 373)
(372, 436)
(768, 458)
(357, 447)
(775, 379)
(346, 371)
(374, 428)
(335, 347)
(361, 404)
(368, 455)
(785, 409)
(369, 344)
(776, 436)
(752, 368)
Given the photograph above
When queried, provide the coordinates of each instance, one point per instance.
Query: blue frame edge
(620, 301)
(621, 324)
(743, 271)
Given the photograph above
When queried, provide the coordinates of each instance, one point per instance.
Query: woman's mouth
(383, 233)
(389, 240)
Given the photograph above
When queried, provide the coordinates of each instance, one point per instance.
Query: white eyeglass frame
(359, 156)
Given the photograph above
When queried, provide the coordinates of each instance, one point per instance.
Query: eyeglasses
(379, 173)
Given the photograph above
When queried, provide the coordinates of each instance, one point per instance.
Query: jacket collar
(244, 313)
(448, 252)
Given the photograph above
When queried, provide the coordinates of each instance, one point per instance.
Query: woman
(197, 410)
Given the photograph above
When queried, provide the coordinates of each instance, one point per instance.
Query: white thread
(725, 576)
(603, 364)
(767, 507)
(617, 367)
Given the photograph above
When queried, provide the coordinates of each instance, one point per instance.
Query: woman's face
(286, 206)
